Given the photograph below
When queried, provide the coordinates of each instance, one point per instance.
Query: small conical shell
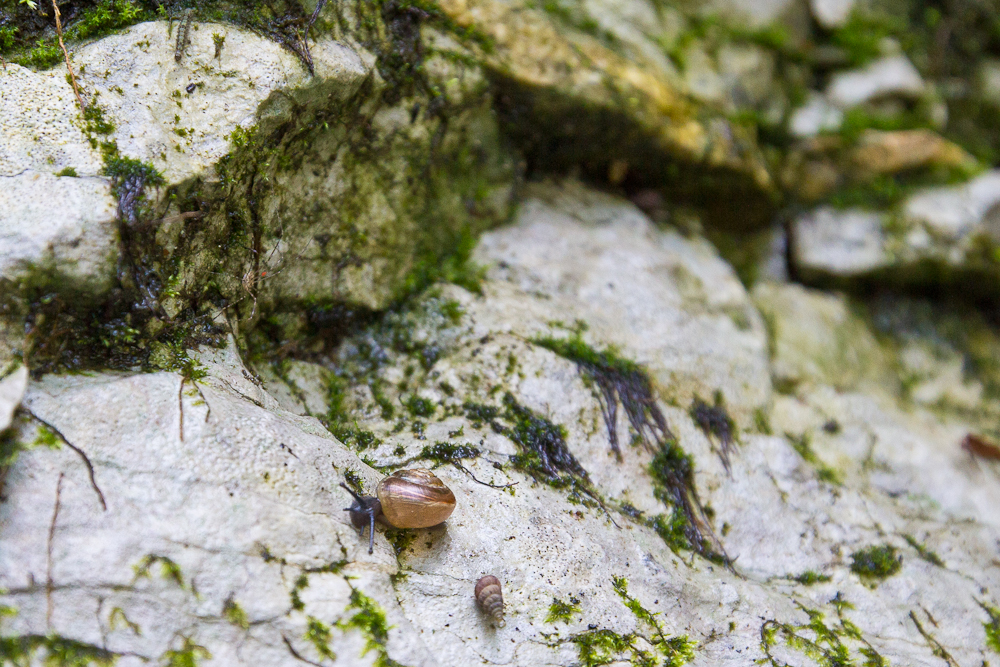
(490, 598)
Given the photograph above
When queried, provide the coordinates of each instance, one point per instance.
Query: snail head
(363, 512)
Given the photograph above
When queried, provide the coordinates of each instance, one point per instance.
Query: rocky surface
(938, 236)
(565, 254)
(212, 525)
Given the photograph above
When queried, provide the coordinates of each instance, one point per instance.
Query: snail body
(405, 499)
(490, 598)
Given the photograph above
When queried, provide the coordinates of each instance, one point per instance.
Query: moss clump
(189, 655)
(420, 407)
(601, 647)
(713, 420)
(809, 577)
(400, 539)
(57, 650)
(923, 551)
(301, 583)
(370, 621)
(68, 171)
(318, 634)
(480, 414)
(992, 626)
(445, 452)
(672, 471)
(876, 563)
(563, 611)
(169, 570)
(234, 613)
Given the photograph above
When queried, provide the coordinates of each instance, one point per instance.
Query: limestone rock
(892, 75)
(212, 522)
(831, 13)
(940, 236)
(879, 152)
(839, 243)
(12, 388)
(626, 106)
(815, 116)
(62, 230)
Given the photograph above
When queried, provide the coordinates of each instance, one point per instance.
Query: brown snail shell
(414, 499)
(490, 598)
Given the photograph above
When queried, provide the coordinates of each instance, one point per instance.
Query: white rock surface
(815, 116)
(948, 226)
(831, 14)
(58, 225)
(893, 75)
(839, 242)
(12, 389)
(954, 212)
(242, 494)
(144, 93)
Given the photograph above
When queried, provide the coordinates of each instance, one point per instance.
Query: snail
(405, 499)
(490, 598)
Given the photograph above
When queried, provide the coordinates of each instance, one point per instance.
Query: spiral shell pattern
(490, 598)
(415, 499)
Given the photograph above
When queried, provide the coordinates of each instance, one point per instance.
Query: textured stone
(815, 116)
(839, 243)
(831, 13)
(12, 388)
(893, 75)
(241, 497)
(58, 229)
(879, 152)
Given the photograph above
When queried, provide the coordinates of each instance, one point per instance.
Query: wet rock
(893, 75)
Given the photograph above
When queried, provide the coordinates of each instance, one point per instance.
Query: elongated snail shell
(414, 499)
(490, 598)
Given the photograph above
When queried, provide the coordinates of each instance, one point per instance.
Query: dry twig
(72, 77)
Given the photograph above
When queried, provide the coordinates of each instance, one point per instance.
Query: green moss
(400, 539)
(420, 407)
(301, 583)
(861, 37)
(601, 647)
(713, 420)
(318, 634)
(836, 644)
(68, 171)
(676, 651)
(923, 551)
(809, 577)
(444, 452)
(992, 627)
(234, 613)
(57, 651)
(876, 563)
(169, 570)
(369, 619)
(189, 655)
(564, 612)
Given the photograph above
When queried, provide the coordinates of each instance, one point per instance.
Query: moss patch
(564, 612)
(923, 551)
(830, 644)
(369, 619)
(809, 577)
(992, 626)
(875, 563)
